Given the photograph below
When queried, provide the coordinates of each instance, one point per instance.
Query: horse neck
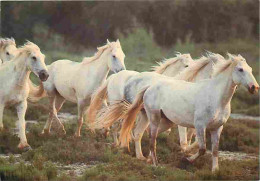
(1, 55)
(205, 73)
(225, 86)
(21, 71)
(172, 70)
(100, 66)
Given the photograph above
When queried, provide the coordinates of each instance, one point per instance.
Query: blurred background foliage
(149, 31)
(88, 24)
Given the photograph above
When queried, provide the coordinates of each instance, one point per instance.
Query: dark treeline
(90, 23)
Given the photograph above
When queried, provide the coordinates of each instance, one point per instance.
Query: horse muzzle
(119, 70)
(253, 89)
(43, 75)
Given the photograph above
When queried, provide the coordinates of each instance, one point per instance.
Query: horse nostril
(253, 87)
(43, 75)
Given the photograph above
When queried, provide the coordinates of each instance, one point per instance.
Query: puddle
(227, 155)
(244, 117)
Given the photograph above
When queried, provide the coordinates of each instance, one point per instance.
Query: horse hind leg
(59, 101)
(55, 101)
(115, 128)
(47, 126)
(138, 132)
(154, 119)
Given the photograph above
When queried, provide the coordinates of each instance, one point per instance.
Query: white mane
(7, 41)
(232, 61)
(161, 67)
(100, 51)
(28, 47)
(189, 73)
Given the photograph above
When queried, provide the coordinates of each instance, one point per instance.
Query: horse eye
(7, 53)
(34, 58)
(186, 65)
(240, 70)
(113, 56)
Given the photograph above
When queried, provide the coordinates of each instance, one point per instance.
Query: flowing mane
(7, 41)
(192, 71)
(100, 51)
(29, 46)
(232, 61)
(162, 66)
(214, 56)
(189, 73)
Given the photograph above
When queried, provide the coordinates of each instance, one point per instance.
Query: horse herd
(194, 94)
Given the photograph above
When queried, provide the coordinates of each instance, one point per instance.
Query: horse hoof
(184, 163)
(77, 136)
(114, 145)
(142, 158)
(27, 148)
(45, 132)
(149, 160)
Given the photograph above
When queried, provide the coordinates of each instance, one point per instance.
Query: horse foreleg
(201, 137)
(190, 133)
(1, 116)
(194, 145)
(183, 137)
(138, 132)
(215, 135)
(21, 110)
(81, 109)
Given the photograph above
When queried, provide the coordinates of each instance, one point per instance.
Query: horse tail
(36, 92)
(129, 119)
(96, 102)
(108, 115)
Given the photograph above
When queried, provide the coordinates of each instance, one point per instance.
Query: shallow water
(244, 117)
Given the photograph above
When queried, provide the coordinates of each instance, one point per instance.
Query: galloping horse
(14, 88)
(200, 69)
(76, 82)
(202, 105)
(113, 89)
(8, 49)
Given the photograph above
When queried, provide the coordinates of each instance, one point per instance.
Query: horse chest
(14, 99)
(219, 119)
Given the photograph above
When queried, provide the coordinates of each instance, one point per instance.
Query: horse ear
(230, 56)
(1, 42)
(13, 40)
(108, 41)
(118, 42)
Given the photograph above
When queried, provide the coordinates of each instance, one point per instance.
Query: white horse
(14, 88)
(113, 89)
(203, 105)
(200, 69)
(76, 82)
(8, 49)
